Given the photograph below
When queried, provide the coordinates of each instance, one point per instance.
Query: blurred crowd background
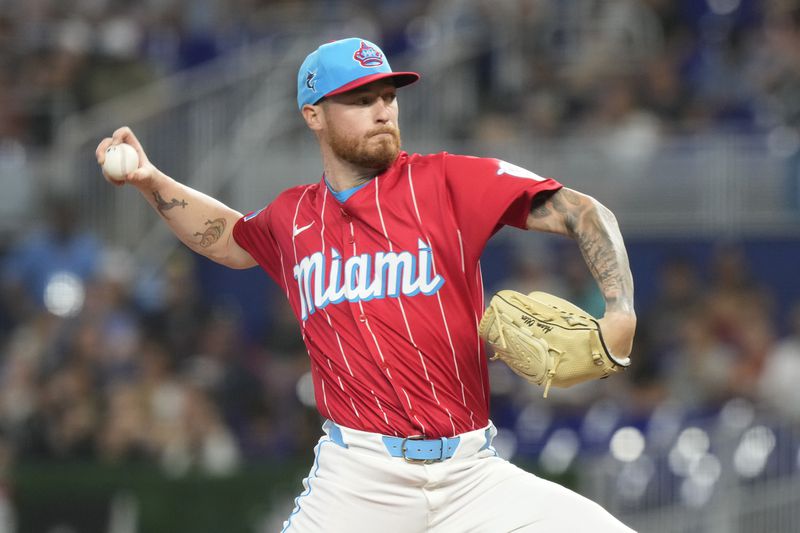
(100, 364)
(669, 66)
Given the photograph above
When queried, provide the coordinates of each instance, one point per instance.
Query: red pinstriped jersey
(387, 287)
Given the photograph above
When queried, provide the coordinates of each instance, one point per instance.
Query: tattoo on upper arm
(212, 233)
(570, 206)
(162, 205)
(559, 212)
(540, 210)
(562, 201)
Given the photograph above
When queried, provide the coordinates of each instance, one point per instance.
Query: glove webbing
(548, 379)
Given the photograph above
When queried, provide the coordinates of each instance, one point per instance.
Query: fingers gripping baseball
(130, 163)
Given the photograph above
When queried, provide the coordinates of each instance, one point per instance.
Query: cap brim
(401, 79)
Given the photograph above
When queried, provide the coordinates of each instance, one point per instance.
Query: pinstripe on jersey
(388, 290)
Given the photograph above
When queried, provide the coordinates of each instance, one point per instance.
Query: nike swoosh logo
(297, 231)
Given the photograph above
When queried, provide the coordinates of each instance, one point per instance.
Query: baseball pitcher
(380, 262)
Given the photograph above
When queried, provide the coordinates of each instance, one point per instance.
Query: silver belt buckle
(407, 459)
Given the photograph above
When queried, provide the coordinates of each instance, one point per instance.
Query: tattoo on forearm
(598, 250)
(212, 233)
(601, 244)
(162, 205)
(597, 235)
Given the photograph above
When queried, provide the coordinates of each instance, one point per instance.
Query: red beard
(367, 152)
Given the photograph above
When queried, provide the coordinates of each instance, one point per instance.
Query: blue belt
(412, 449)
(421, 450)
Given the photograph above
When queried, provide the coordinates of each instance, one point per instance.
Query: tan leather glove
(547, 340)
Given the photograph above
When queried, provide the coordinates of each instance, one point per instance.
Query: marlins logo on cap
(343, 65)
(311, 81)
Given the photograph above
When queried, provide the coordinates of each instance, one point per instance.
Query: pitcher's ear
(313, 116)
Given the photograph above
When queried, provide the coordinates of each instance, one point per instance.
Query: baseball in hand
(121, 160)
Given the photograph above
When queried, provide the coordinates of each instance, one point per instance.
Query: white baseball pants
(361, 488)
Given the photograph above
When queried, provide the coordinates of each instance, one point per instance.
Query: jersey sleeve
(489, 193)
(253, 233)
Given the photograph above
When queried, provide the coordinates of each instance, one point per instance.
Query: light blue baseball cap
(343, 65)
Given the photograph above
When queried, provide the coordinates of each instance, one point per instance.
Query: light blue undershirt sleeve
(342, 196)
